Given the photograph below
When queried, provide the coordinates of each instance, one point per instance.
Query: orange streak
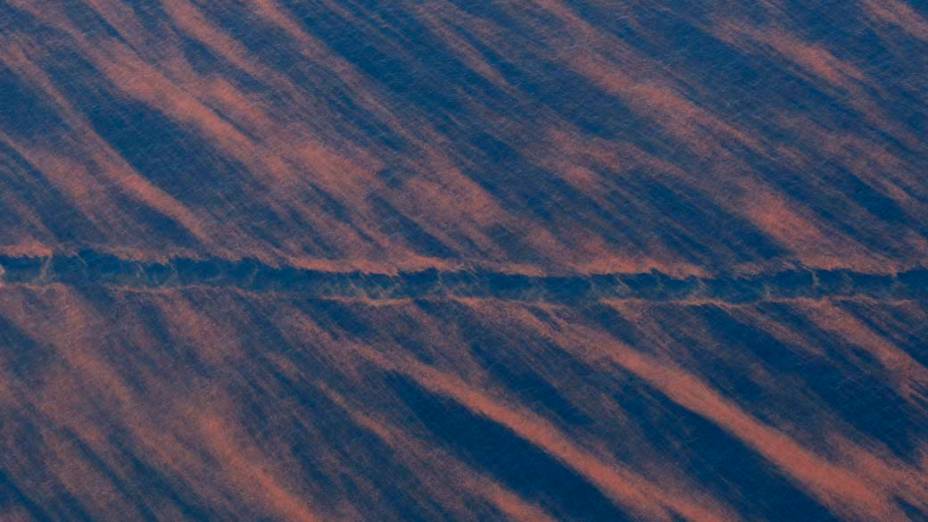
(622, 485)
(840, 489)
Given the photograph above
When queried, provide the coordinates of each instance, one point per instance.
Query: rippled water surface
(463, 260)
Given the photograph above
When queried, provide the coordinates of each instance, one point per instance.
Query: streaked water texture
(463, 260)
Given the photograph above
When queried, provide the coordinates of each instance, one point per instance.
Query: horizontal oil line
(88, 268)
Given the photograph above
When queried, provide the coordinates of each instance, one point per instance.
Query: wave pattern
(463, 260)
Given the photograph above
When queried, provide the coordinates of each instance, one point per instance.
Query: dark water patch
(23, 183)
(23, 356)
(179, 160)
(13, 497)
(404, 73)
(396, 224)
(723, 369)
(161, 228)
(275, 49)
(845, 377)
(715, 459)
(521, 466)
(156, 486)
(175, 158)
(90, 267)
(610, 320)
(895, 324)
(23, 111)
(317, 449)
(515, 372)
(88, 21)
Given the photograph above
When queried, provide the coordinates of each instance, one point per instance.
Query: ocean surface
(464, 260)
